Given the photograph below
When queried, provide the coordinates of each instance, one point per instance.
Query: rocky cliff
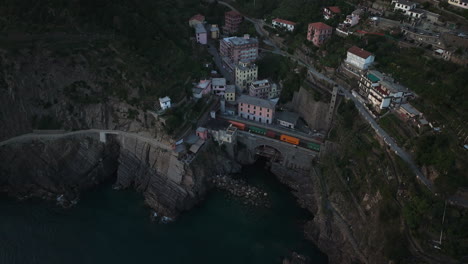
(63, 167)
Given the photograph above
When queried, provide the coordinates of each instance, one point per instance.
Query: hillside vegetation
(94, 63)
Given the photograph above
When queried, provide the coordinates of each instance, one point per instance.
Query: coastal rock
(56, 169)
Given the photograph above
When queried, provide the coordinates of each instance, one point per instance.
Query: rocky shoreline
(250, 195)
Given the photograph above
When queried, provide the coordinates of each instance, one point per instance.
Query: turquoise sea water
(109, 226)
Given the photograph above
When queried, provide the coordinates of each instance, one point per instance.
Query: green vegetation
(397, 129)
(279, 68)
(407, 210)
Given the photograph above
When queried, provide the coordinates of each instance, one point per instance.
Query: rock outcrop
(61, 167)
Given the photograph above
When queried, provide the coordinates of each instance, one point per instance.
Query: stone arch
(268, 151)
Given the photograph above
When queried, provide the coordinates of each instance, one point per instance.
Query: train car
(271, 134)
(290, 140)
(257, 130)
(239, 125)
(313, 146)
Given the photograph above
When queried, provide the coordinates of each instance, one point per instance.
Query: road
(219, 64)
(28, 137)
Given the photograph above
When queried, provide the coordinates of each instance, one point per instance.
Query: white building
(218, 85)
(459, 3)
(403, 5)
(359, 58)
(281, 23)
(381, 90)
(165, 102)
(353, 19)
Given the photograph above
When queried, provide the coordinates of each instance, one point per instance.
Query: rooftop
(375, 76)
(241, 40)
(218, 81)
(263, 82)
(410, 109)
(404, 2)
(198, 17)
(334, 9)
(320, 25)
(244, 65)
(203, 84)
(232, 13)
(393, 87)
(417, 10)
(164, 99)
(289, 117)
(279, 20)
(359, 52)
(256, 101)
(230, 89)
(199, 28)
(201, 129)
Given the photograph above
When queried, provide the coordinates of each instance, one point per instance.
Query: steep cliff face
(314, 112)
(168, 184)
(49, 168)
(66, 166)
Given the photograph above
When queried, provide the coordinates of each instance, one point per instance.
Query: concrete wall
(313, 112)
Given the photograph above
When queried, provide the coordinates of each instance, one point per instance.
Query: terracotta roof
(279, 20)
(320, 25)
(334, 9)
(198, 17)
(232, 13)
(359, 52)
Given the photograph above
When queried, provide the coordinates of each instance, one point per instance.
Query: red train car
(290, 140)
(239, 125)
(271, 134)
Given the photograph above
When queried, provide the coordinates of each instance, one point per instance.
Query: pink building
(201, 34)
(318, 33)
(256, 109)
(202, 133)
(330, 12)
(232, 21)
(235, 49)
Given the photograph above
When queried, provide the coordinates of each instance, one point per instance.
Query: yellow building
(245, 73)
(230, 94)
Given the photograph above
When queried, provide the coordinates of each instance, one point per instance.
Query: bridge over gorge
(286, 154)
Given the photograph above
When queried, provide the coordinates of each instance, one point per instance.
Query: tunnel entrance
(268, 152)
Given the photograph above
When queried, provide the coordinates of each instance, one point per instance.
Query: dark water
(110, 226)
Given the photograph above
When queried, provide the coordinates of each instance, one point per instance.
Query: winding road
(55, 135)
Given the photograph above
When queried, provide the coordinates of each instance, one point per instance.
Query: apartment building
(235, 49)
(284, 24)
(201, 34)
(330, 12)
(246, 72)
(318, 33)
(256, 109)
(359, 58)
(232, 21)
(381, 90)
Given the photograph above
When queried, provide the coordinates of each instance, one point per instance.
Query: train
(274, 135)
